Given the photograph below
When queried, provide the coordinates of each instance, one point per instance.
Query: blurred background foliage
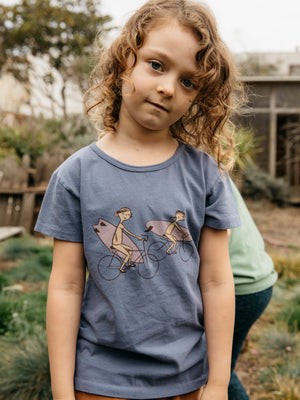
(36, 136)
(61, 32)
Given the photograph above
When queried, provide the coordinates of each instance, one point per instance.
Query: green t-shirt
(252, 267)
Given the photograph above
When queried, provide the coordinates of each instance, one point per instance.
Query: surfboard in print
(106, 231)
(160, 228)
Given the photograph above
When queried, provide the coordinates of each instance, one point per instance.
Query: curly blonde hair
(206, 125)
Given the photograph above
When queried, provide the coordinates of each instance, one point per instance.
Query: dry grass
(269, 367)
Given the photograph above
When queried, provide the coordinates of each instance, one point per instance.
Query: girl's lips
(157, 105)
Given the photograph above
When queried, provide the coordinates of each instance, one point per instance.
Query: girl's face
(163, 83)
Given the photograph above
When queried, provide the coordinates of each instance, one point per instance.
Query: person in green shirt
(254, 277)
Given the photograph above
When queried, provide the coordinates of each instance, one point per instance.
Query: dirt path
(278, 226)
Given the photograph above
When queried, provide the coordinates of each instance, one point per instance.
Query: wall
(272, 103)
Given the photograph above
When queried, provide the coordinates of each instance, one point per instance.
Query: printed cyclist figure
(179, 216)
(117, 241)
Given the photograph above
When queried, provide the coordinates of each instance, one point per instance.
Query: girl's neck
(147, 139)
(134, 150)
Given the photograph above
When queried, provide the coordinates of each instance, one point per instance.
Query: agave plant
(24, 369)
(245, 149)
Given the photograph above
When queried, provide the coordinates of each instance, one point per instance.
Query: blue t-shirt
(141, 332)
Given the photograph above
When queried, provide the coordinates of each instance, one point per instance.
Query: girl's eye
(188, 83)
(156, 65)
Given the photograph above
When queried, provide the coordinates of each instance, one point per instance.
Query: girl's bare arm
(217, 289)
(65, 292)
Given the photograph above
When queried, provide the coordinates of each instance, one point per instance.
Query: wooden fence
(22, 186)
(20, 206)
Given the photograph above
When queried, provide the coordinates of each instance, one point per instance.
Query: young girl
(165, 88)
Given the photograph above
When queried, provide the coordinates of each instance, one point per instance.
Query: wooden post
(288, 162)
(26, 216)
(273, 133)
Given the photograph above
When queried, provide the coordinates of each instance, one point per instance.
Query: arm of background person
(217, 290)
(65, 293)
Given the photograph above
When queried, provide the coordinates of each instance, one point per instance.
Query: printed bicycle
(145, 262)
(160, 249)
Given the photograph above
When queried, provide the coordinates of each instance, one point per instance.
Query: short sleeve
(60, 215)
(220, 209)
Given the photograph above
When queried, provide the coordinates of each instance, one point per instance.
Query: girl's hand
(211, 392)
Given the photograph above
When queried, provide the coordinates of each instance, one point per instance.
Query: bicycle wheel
(158, 250)
(185, 251)
(109, 267)
(148, 269)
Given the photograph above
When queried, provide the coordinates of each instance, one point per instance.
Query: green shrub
(18, 247)
(36, 136)
(36, 260)
(34, 268)
(291, 281)
(22, 313)
(35, 312)
(289, 369)
(4, 281)
(291, 314)
(64, 131)
(260, 185)
(279, 342)
(6, 314)
(279, 349)
(23, 139)
(24, 369)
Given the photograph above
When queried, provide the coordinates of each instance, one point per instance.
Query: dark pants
(248, 308)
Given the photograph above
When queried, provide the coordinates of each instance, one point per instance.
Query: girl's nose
(166, 86)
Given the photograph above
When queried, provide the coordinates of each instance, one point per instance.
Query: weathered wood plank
(27, 210)
(7, 232)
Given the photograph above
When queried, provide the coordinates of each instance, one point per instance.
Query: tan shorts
(189, 396)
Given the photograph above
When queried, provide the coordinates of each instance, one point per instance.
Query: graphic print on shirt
(125, 254)
(174, 233)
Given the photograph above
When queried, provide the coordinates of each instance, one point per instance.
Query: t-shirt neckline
(135, 168)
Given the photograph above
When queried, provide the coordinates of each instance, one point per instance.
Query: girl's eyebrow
(165, 57)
